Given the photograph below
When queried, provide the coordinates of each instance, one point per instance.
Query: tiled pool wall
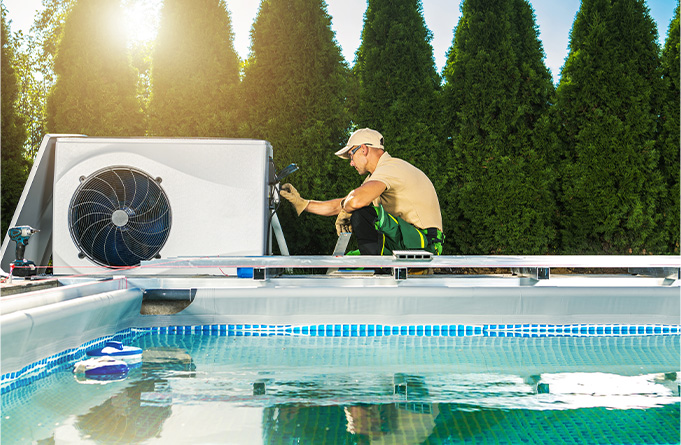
(428, 330)
(66, 359)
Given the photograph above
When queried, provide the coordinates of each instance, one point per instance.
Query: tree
(195, 71)
(398, 83)
(607, 107)
(294, 93)
(496, 93)
(95, 91)
(34, 64)
(14, 164)
(669, 133)
(141, 53)
(32, 92)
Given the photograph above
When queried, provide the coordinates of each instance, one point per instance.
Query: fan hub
(119, 218)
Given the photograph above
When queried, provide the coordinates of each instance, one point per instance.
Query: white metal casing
(217, 190)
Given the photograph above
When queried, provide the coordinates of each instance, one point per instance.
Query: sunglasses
(353, 150)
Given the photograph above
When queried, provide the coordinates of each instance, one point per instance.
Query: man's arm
(356, 199)
(363, 196)
(360, 197)
(325, 208)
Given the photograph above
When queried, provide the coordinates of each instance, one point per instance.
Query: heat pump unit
(119, 202)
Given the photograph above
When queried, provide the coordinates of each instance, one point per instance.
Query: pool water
(194, 388)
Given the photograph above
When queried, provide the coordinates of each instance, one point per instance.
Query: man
(395, 208)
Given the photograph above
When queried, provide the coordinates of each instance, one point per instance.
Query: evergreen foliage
(607, 107)
(496, 93)
(195, 71)
(95, 90)
(141, 60)
(398, 83)
(519, 169)
(35, 67)
(294, 92)
(32, 93)
(14, 165)
(669, 134)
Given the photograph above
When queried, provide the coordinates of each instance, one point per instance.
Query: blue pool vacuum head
(117, 350)
(108, 372)
(101, 368)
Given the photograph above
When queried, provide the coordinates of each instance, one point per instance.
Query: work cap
(365, 136)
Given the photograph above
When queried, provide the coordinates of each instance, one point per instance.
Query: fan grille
(119, 216)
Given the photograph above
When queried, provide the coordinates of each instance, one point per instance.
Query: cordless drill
(22, 267)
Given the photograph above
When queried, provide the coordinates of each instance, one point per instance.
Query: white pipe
(279, 234)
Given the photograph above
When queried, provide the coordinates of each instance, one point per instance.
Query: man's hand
(290, 193)
(343, 222)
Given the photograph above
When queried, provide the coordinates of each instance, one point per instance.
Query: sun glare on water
(141, 19)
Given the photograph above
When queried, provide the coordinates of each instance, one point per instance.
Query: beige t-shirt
(409, 193)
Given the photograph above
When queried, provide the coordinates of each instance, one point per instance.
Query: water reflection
(138, 411)
(451, 423)
(391, 423)
(125, 417)
(415, 418)
(410, 421)
(193, 389)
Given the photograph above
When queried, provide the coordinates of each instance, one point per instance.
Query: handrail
(443, 261)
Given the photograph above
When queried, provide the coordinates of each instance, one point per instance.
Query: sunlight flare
(141, 19)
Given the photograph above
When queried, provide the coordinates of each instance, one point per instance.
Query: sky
(554, 19)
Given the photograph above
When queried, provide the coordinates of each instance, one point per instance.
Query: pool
(276, 385)
(348, 358)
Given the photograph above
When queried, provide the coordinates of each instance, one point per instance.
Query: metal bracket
(673, 273)
(535, 273)
(259, 388)
(265, 273)
(412, 255)
(400, 273)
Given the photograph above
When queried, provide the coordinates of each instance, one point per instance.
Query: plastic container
(244, 272)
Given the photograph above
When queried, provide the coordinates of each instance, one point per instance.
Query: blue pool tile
(48, 365)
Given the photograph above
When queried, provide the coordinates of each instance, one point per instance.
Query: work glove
(343, 222)
(290, 193)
